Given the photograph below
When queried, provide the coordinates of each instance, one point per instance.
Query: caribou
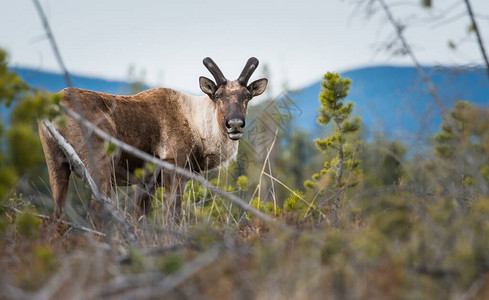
(199, 133)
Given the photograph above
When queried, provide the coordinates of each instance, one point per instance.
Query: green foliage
(10, 84)
(308, 184)
(139, 173)
(27, 225)
(258, 204)
(136, 261)
(194, 192)
(452, 45)
(21, 152)
(24, 140)
(394, 222)
(462, 147)
(295, 203)
(171, 263)
(426, 3)
(341, 169)
(46, 257)
(242, 183)
(272, 209)
(8, 178)
(110, 149)
(383, 162)
(205, 205)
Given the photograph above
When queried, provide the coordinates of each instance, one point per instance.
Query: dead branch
(44, 217)
(80, 169)
(478, 34)
(400, 34)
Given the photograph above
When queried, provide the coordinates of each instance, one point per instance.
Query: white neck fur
(214, 141)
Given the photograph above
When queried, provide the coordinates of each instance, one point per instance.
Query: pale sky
(298, 40)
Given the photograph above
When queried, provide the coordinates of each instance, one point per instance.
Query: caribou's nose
(235, 123)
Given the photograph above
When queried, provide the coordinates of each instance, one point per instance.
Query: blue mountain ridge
(392, 100)
(395, 100)
(54, 82)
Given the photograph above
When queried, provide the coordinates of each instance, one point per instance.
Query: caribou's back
(154, 121)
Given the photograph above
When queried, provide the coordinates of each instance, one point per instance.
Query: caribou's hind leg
(99, 172)
(58, 169)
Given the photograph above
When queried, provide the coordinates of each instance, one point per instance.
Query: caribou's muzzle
(235, 128)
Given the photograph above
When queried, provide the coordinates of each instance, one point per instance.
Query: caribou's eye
(248, 97)
(216, 96)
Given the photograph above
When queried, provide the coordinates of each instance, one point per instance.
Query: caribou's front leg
(144, 197)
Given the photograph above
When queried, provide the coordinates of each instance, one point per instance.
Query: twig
(81, 170)
(44, 217)
(400, 34)
(258, 188)
(273, 190)
(478, 34)
(53, 43)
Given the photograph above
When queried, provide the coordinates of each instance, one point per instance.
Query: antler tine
(215, 71)
(248, 70)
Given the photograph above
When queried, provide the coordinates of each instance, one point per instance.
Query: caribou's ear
(207, 86)
(257, 87)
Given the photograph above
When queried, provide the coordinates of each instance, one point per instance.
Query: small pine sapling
(341, 168)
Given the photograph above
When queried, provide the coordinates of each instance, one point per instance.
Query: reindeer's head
(232, 97)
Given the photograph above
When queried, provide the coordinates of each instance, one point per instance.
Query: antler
(249, 68)
(215, 71)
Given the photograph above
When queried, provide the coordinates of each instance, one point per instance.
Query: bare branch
(43, 217)
(400, 34)
(53, 43)
(478, 34)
